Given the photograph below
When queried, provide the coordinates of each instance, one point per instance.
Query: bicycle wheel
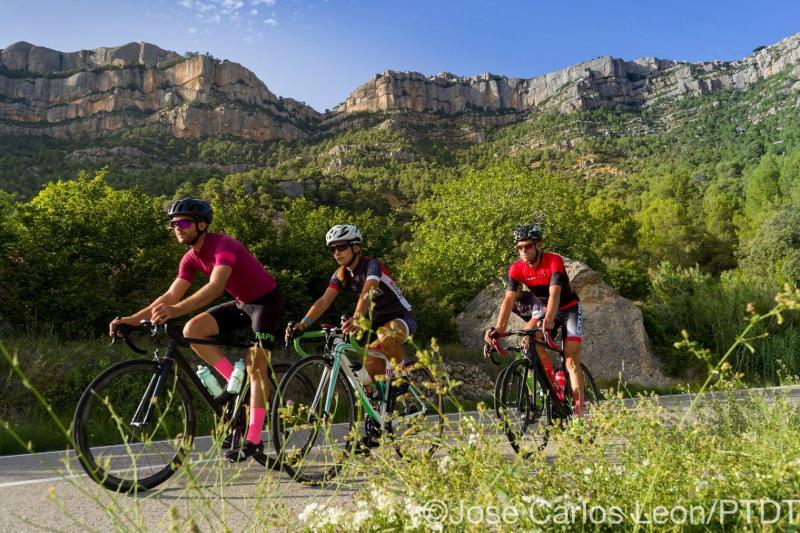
(524, 408)
(312, 444)
(416, 420)
(117, 447)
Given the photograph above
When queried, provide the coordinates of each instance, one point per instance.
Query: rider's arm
(365, 298)
(320, 306)
(171, 297)
(208, 292)
(505, 309)
(552, 306)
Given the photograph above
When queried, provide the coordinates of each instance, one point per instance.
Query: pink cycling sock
(256, 423)
(224, 367)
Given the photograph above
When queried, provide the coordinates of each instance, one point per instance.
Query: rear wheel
(313, 444)
(416, 419)
(524, 408)
(117, 447)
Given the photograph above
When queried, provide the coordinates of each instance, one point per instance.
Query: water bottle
(209, 380)
(559, 384)
(237, 378)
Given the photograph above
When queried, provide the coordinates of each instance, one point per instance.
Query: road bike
(134, 425)
(527, 402)
(314, 432)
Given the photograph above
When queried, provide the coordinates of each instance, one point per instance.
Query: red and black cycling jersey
(389, 301)
(549, 271)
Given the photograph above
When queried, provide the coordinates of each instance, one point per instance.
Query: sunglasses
(183, 223)
(338, 247)
(524, 247)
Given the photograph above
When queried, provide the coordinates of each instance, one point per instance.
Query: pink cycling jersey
(249, 279)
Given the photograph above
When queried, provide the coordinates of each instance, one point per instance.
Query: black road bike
(135, 423)
(527, 402)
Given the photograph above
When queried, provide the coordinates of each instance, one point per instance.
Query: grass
(710, 467)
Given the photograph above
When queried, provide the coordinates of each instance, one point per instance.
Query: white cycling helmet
(343, 233)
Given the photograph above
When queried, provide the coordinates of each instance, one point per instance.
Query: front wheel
(524, 407)
(122, 446)
(313, 443)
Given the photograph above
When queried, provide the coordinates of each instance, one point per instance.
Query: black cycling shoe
(364, 446)
(247, 450)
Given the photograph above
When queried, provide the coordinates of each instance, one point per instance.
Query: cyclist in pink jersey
(538, 290)
(230, 268)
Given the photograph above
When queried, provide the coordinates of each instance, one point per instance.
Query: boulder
(614, 339)
(292, 189)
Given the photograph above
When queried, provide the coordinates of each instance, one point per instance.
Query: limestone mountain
(93, 92)
(43, 91)
(601, 82)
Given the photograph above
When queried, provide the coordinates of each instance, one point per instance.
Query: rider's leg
(257, 364)
(204, 326)
(572, 354)
(391, 337)
(544, 358)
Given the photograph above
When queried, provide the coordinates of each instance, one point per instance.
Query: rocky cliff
(605, 81)
(43, 91)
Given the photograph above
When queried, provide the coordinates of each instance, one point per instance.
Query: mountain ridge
(108, 89)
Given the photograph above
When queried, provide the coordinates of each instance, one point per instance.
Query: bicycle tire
(312, 448)
(112, 451)
(416, 421)
(524, 408)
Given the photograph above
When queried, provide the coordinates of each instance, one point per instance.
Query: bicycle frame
(531, 354)
(341, 362)
(173, 355)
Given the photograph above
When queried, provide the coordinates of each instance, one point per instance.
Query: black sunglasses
(338, 247)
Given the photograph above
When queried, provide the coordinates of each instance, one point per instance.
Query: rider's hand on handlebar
(348, 327)
(293, 329)
(163, 312)
(492, 334)
(112, 326)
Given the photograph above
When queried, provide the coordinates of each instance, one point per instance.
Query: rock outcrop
(605, 81)
(44, 91)
(615, 342)
(47, 92)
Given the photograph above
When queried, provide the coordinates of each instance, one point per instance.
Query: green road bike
(526, 400)
(314, 432)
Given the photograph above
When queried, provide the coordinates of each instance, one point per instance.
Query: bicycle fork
(144, 411)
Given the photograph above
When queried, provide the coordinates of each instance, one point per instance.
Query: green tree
(773, 254)
(462, 236)
(84, 253)
(666, 233)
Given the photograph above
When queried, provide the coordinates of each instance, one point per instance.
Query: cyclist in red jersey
(538, 290)
(231, 268)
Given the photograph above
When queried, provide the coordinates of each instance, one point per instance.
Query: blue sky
(318, 51)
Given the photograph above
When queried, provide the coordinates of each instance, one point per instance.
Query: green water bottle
(209, 380)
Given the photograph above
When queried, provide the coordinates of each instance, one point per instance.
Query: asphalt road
(49, 491)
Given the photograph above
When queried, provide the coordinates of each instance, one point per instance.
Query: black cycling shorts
(262, 315)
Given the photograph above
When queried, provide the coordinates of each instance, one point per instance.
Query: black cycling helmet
(527, 232)
(192, 207)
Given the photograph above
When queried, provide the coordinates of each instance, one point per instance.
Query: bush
(83, 252)
(462, 237)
